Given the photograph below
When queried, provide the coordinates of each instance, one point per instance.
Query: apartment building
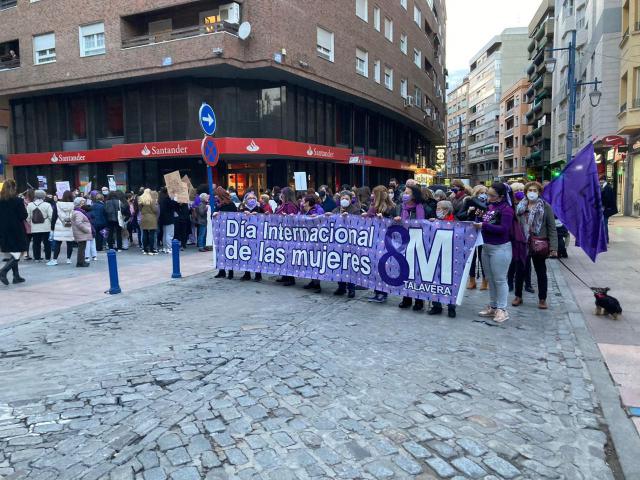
(540, 91)
(457, 108)
(514, 132)
(497, 66)
(629, 116)
(598, 28)
(115, 90)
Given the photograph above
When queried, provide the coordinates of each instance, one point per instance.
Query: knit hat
(78, 201)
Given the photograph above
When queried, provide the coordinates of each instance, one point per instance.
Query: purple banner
(420, 259)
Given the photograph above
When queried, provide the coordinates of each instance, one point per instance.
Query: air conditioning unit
(408, 102)
(230, 12)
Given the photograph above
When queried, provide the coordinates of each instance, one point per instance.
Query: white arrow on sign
(208, 119)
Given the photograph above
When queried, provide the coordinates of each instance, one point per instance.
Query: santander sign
(320, 152)
(67, 157)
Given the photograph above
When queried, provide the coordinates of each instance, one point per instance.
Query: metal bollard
(175, 253)
(113, 273)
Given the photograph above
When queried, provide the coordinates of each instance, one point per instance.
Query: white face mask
(533, 196)
(440, 214)
(344, 203)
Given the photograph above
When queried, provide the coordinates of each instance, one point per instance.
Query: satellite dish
(244, 30)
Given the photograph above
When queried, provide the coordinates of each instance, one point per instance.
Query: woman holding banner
(311, 207)
(251, 206)
(496, 226)
(288, 206)
(224, 204)
(345, 208)
(381, 207)
(412, 209)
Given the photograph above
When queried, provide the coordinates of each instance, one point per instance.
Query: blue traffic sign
(207, 119)
(210, 152)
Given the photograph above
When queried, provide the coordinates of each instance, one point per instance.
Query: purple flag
(575, 198)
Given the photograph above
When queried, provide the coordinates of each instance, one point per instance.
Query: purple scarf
(408, 208)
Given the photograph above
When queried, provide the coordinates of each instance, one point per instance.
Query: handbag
(120, 216)
(539, 246)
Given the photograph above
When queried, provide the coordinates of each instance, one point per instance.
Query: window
(403, 3)
(362, 62)
(44, 48)
(417, 95)
(376, 71)
(403, 43)
(362, 10)
(376, 18)
(636, 88)
(403, 88)
(388, 29)
(388, 78)
(417, 57)
(325, 44)
(92, 40)
(417, 15)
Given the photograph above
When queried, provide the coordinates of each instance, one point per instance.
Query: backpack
(36, 216)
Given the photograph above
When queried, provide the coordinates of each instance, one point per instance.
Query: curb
(623, 432)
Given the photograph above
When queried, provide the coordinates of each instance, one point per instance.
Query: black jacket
(229, 207)
(167, 209)
(13, 237)
(609, 204)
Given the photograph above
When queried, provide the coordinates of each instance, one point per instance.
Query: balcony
(175, 23)
(510, 112)
(508, 152)
(4, 4)
(508, 133)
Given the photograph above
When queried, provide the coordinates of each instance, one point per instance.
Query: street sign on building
(207, 119)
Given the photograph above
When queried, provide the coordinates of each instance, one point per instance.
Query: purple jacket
(496, 224)
(287, 208)
(315, 210)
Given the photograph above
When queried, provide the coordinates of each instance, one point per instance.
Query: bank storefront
(260, 163)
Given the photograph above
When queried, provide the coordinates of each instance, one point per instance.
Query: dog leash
(573, 273)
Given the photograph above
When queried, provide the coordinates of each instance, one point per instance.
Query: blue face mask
(406, 197)
(251, 203)
(483, 197)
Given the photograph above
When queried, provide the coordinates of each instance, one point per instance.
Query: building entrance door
(243, 176)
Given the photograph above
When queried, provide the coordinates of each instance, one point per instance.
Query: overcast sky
(472, 23)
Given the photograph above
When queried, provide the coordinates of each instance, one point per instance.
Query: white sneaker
(52, 263)
(144, 253)
(95, 259)
(68, 261)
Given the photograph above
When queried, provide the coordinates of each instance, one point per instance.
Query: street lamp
(572, 85)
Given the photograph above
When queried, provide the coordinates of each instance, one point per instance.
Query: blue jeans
(202, 236)
(496, 260)
(149, 240)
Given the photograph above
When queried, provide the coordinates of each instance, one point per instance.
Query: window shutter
(44, 42)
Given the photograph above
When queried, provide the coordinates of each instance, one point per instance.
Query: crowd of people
(517, 225)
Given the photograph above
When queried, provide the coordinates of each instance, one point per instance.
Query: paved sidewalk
(618, 269)
(48, 289)
(218, 379)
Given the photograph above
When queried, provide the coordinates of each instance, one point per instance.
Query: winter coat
(111, 208)
(547, 229)
(98, 216)
(200, 214)
(168, 208)
(13, 236)
(329, 204)
(149, 214)
(60, 232)
(81, 226)
(351, 210)
(229, 207)
(47, 213)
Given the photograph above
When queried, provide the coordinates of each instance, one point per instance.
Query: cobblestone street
(217, 379)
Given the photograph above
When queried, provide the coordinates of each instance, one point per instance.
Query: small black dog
(606, 304)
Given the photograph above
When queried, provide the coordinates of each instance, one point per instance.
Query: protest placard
(176, 188)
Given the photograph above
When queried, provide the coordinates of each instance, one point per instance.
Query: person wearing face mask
(381, 206)
(459, 193)
(444, 213)
(327, 202)
(251, 206)
(312, 208)
(412, 209)
(345, 208)
(538, 223)
(223, 204)
(476, 206)
(394, 191)
(517, 189)
(496, 225)
(288, 206)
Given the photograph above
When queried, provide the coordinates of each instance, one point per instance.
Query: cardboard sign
(300, 179)
(176, 188)
(111, 180)
(42, 182)
(62, 187)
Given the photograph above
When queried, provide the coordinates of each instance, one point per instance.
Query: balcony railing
(7, 4)
(625, 36)
(508, 152)
(8, 64)
(507, 170)
(509, 112)
(623, 107)
(508, 132)
(636, 103)
(178, 33)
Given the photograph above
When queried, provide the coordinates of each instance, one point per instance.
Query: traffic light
(555, 173)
